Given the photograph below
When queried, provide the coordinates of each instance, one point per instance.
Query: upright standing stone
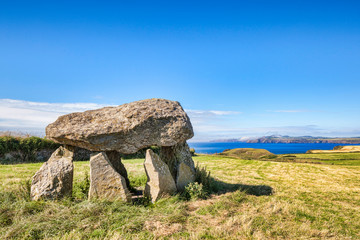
(185, 176)
(180, 163)
(105, 182)
(185, 168)
(55, 177)
(115, 160)
(160, 181)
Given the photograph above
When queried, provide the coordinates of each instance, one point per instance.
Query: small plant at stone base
(143, 201)
(137, 180)
(24, 189)
(81, 188)
(195, 190)
(192, 151)
(202, 176)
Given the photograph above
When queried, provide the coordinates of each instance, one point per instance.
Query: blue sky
(239, 68)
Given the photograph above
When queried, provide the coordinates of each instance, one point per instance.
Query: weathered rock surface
(115, 160)
(180, 163)
(183, 154)
(160, 181)
(185, 176)
(105, 182)
(126, 128)
(55, 177)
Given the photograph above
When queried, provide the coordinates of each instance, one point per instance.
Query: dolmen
(110, 132)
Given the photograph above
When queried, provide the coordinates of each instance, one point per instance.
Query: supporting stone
(105, 182)
(186, 166)
(115, 159)
(180, 163)
(160, 181)
(55, 178)
(185, 176)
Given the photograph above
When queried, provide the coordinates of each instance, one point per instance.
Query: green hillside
(248, 153)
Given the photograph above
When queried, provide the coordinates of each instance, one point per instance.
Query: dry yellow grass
(343, 149)
(309, 201)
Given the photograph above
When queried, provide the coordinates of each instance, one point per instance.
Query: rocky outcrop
(55, 177)
(160, 181)
(105, 182)
(126, 128)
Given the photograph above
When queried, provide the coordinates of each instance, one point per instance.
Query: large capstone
(126, 128)
(160, 182)
(55, 177)
(105, 181)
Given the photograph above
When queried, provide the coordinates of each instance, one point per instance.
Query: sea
(276, 148)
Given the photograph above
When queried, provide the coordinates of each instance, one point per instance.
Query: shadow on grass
(216, 186)
(220, 187)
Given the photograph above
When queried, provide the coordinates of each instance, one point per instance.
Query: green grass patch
(349, 159)
(255, 199)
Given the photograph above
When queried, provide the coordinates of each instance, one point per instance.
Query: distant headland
(289, 139)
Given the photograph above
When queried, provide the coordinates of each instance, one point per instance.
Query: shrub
(192, 151)
(202, 176)
(269, 157)
(196, 190)
(25, 148)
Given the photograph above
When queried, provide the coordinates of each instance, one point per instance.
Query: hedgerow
(26, 146)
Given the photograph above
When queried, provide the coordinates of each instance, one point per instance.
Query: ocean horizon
(276, 148)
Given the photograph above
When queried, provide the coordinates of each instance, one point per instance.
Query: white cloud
(206, 113)
(207, 132)
(49, 107)
(26, 116)
(288, 111)
(34, 116)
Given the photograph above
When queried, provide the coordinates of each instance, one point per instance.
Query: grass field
(352, 159)
(316, 201)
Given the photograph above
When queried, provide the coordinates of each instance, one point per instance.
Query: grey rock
(185, 176)
(126, 128)
(115, 160)
(55, 177)
(160, 181)
(180, 163)
(186, 166)
(105, 182)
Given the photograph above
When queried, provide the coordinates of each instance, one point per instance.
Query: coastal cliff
(302, 139)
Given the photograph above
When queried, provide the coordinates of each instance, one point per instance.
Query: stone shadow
(219, 187)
